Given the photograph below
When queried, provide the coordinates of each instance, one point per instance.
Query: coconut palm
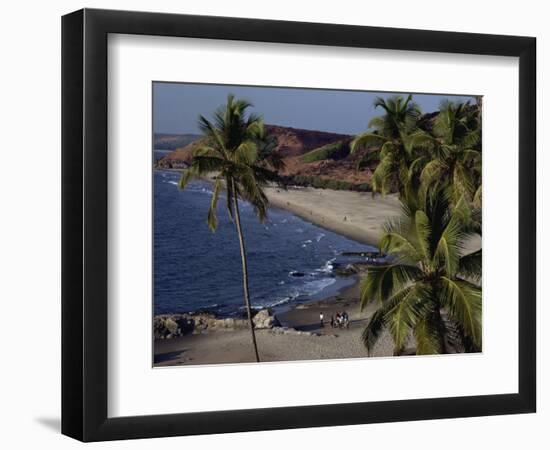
(389, 136)
(452, 154)
(268, 156)
(230, 153)
(429, 291)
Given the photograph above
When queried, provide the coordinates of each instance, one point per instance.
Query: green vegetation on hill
(335, 150)
(328, 183)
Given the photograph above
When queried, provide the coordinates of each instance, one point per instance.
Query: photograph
(255, 225)
(301, 224)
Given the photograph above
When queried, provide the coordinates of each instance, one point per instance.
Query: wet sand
(357, 215)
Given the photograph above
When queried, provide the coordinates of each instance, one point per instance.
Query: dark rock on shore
(167, 163)
(167, 326)
(297, 274)
(265, 319)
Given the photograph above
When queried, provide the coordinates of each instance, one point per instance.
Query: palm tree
(452, 153)
(429, 291)
(268, 156)
(230, 152)
(390, 136)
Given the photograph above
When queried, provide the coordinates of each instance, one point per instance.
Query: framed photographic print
(318, 224)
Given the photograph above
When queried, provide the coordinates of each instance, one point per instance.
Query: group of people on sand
(341, 320)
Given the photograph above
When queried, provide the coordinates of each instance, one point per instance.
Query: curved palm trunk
(245, 272)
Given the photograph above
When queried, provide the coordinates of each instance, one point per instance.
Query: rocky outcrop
(167, 163)
(173, 325)
(265, 319)
(167, 326)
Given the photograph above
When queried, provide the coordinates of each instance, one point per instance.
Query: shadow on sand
(168, 356)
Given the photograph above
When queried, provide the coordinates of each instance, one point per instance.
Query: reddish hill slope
(311, 157)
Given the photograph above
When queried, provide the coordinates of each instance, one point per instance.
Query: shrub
(328, 183)
(335, 150)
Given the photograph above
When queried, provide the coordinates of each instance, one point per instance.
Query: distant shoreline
(355, 215)
(364, 214)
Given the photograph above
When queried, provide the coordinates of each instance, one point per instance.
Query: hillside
(173, 141)
(312, 158)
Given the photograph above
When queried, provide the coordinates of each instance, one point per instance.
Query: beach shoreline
(355, 215)
(359, 216)
(364, 214)
(300, 337)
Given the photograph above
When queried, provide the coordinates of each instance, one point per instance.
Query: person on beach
(321, 319)
(346, 319)
(332, 321)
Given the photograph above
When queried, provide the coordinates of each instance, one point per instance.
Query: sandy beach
(309, 341)
(357, 215)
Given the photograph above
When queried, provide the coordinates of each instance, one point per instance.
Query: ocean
(289, 259)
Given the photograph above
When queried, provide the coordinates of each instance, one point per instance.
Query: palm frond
(469, 265)
(382, 176)
(377, 123)
(203, 165)
(212, 220)
(403, 310)
(432, 173)
(423, 231)
(230, 194)
(477, 197)
(366, 140)
(367, 159)
(381, 282)
(372, 331)
(463, 301)
(251, 191)
(428, 335)
(186, 176)
(209, 130)
(246, 153)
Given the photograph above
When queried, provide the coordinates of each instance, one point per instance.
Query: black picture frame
(84, 224)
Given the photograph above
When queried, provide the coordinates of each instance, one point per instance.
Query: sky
(177, 106)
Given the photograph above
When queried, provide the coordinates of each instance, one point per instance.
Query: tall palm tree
(429, 278)
(452, 156)
(230, 152)
(389, 134)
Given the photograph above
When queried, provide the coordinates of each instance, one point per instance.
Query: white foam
(328, 267)
(314, 287)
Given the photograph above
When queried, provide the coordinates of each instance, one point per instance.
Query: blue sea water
(289, 259)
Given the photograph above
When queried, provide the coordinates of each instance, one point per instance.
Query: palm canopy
(238, 151)
(450, 157)
(389, 134)
(235, 143)
(428, 276)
